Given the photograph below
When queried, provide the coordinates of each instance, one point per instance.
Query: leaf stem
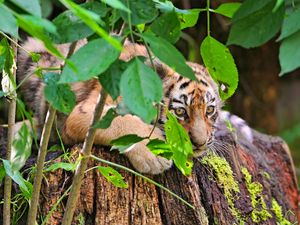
(10, 136)
(82, 166)
(15, 42)
(208, 16)
(31, 219)
(144, 177)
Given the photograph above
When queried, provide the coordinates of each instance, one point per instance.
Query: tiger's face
(196, 104)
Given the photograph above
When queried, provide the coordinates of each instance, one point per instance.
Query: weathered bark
(267, 159)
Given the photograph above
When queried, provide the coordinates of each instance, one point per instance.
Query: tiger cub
(196, 104)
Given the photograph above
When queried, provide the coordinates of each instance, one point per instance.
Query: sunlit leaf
(61, 165)
(167, 53)
(220, 64)
(60, 96)
(140, 88)
(113, 176)
(180, 143)
(90, 60)
(228, 9)
(107, 119)
(160, 147)
(21, 147)
(127, 140)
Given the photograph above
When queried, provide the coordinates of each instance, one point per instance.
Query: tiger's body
(196, 104)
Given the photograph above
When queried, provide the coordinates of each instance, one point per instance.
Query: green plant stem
(144, 177)
(15, 42)
(31, 219)
(10, 136)
(208, 16)
(82, 166)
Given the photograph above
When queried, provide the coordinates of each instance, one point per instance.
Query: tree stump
(241, 182)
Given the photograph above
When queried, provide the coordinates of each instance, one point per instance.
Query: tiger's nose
(197, 141)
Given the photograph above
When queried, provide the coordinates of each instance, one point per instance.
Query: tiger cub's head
(196, 104)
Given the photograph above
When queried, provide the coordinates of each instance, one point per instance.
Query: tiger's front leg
(142, 159)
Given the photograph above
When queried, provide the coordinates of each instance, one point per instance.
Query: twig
(41, 157)
(10, 136)
(82, 166)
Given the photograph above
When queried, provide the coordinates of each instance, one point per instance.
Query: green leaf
(21, 148)
(35, 57)
(170, 23)
(2, 174)
(291, 24)
(46, 8)
(16, 176)
(60, 96)
(159, 147)
(90, 60)
(91, 19)
(249, 7)
(2, 94)
(37, 27)
(287, 49)
(220, 64)
(228, 9)
(140, 88)
(180, 143)
(72, 28)
(8, 22)
(61, 165)
(6, 57)
(168, 54)
(189, 18)
(31, 6)
(113, 176)
(127, 140)
(142, 11)
(107, 119)
(110, 79)
(117, 5)
(258, 27)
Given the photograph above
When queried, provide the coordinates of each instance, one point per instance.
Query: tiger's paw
(144, 161)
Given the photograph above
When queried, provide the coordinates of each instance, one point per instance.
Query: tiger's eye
(210, 109)
(180, 111)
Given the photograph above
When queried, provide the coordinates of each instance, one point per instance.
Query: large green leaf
(142, 11)
(91, 19)
(258, 27)
(37, 27)
(71, 27)
(127, 140)
(167, 53)
(291, 24)
(220, 64)
(110, 79)
(180, 143)
(289, 53)
(21, 148)
(160, 147)
(140, 88)
(60, 96)
(113, 176)
(16, 176)
(90, 60)
(228, 9)
(8, 22)
(31, 6)
(117, 4)
(171, 27)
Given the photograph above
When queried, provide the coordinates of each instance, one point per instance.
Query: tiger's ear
(161, 69)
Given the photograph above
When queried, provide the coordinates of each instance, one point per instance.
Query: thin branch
(31, 220)
(10, 136)
(82, 166)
